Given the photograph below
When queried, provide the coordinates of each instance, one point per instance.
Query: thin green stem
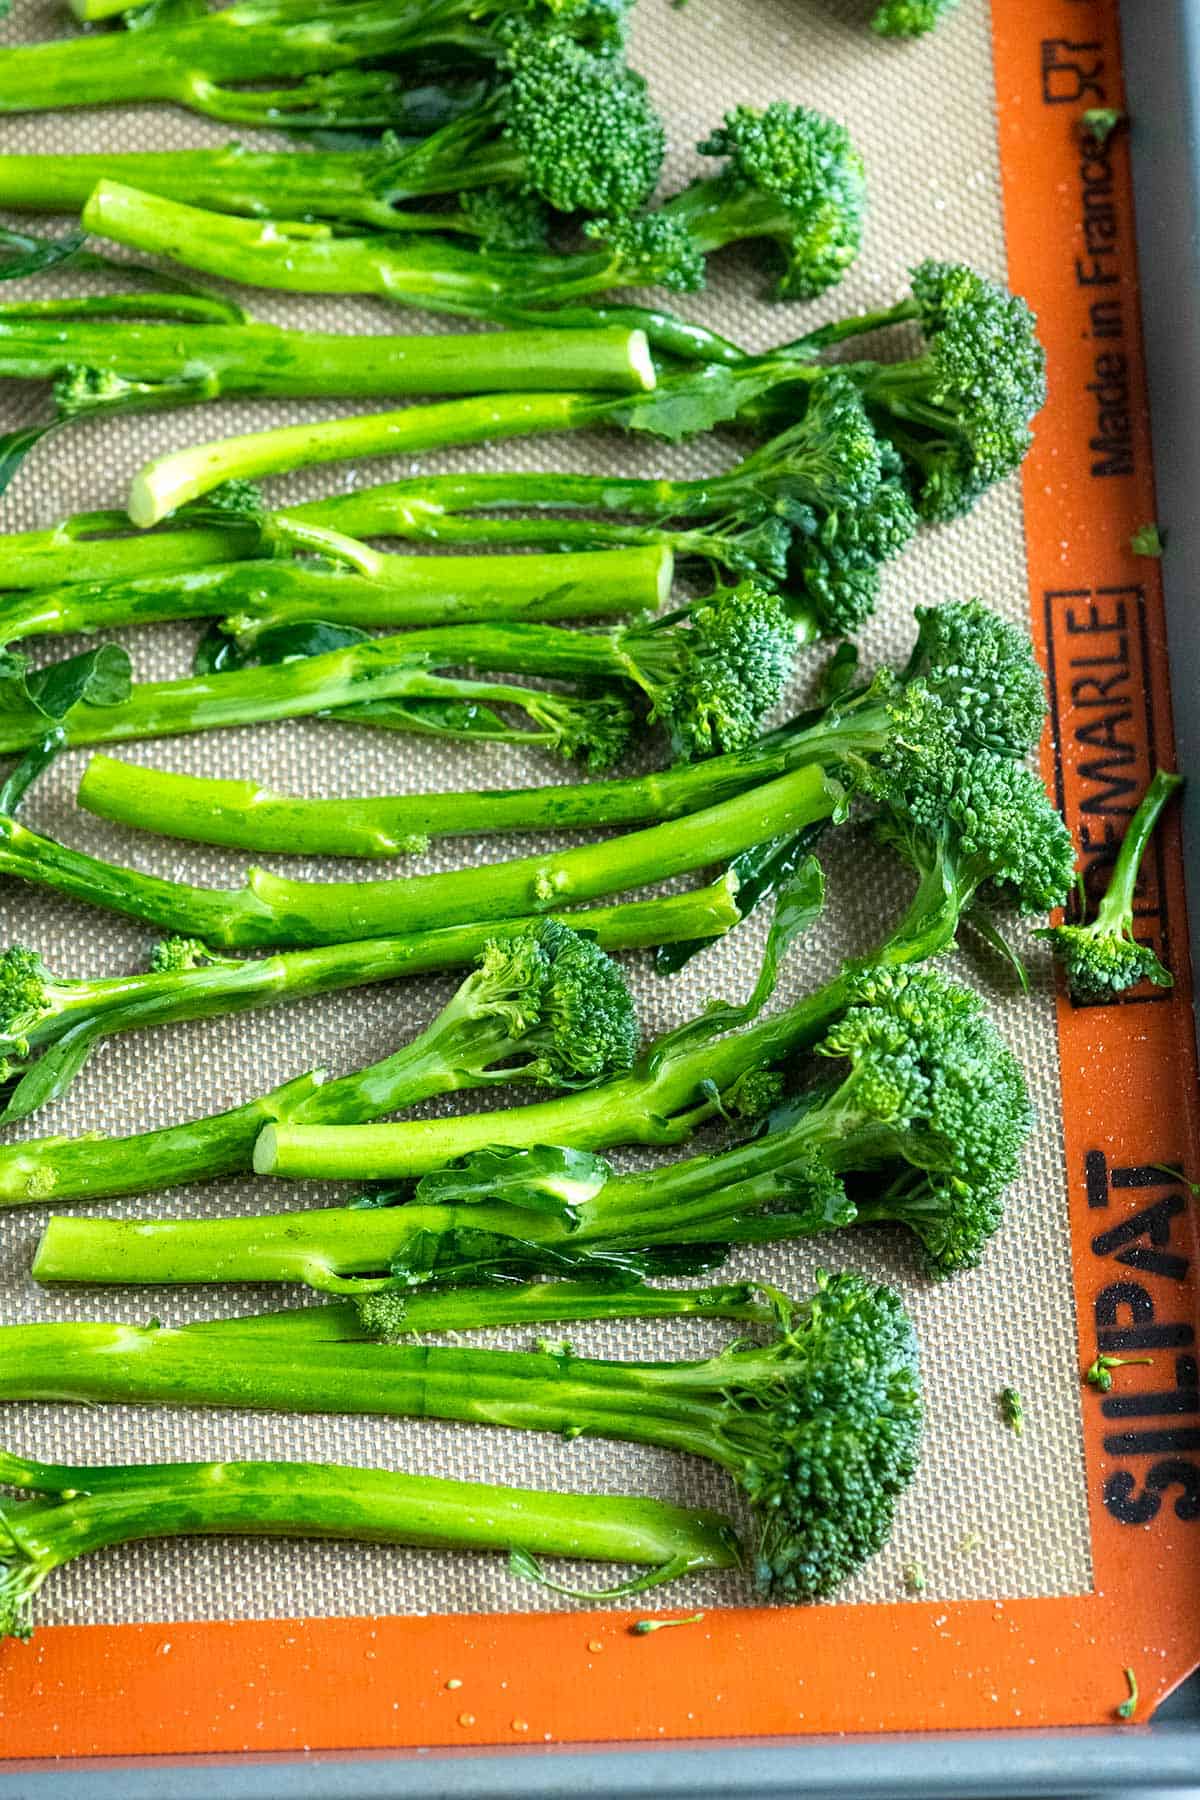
(352, 677)
(245, 815)
(139, 1002)
(170, 481)
(1116, 907)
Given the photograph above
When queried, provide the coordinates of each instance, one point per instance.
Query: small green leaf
(36, 761)
(545, 1178)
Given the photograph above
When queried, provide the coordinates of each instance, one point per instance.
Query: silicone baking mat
(1051, 1561)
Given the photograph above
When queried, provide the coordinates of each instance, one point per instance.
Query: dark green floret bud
(25, 1000)
(938, 1102)
(565, 999)
(712, 679)
(910, 18)
(590, 139)
(506, 219)
(793, 176)
(985, 670)
(829, 1444)
(960, 414)
(1100, 964)
(655, 250)
(179, 953)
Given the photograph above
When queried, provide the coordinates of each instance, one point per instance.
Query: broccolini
(819, 1426)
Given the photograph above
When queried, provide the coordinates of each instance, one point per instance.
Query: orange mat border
(1129, 1093)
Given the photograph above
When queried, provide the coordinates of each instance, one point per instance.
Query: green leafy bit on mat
(1104, 957)
(910, 18)
(819, 1425)
(922, 1126)
(644, 1627)
(913, 1576)
(1012, 1410)
(87, 1509)
(1147, 540)
(1099, 123)
(1128, 1707)
(1099, 1373)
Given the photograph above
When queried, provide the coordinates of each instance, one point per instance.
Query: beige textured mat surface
(912, 109)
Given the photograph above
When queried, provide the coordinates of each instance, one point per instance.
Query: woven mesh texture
(923, 116)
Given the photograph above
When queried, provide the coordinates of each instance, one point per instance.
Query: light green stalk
(99, 1507)
(270, 909)
(382, 590)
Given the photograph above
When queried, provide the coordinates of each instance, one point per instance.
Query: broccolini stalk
(272, 910)
(965, 816)
(792, 179)
(977, 664)
(956, 416)
(546, 1008)
(926, 1124)
(49, 1025)
(574, 128)
(95, 1508)
(708, 672)
(152, 361)
(820, 1426)
(1103, 958)
(381, 590)
(815, 512)
(332, 64)
(352, 681)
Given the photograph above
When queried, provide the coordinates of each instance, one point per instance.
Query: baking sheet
(1012, 1320)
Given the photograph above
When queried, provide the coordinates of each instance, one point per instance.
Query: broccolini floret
(792, 179)
(960, 413)
(910, 18)
(1103, 957)
(544, 1008)
(924, 1129)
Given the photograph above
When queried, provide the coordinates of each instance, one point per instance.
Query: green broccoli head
(978, 821)
(713, 672)
(25, 1000)
(940, 1095)
(986, 672)
(960, 414)
(839, 563)
(832, 456)
(652, 250)
(590, 139)
(910, 18)
(1103, 959)
(505, 219)
(171, 955)
(823, 1429)
(792, 176)
(591, 729)
(602, 25)
(563, 1003)
(21, 1575)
